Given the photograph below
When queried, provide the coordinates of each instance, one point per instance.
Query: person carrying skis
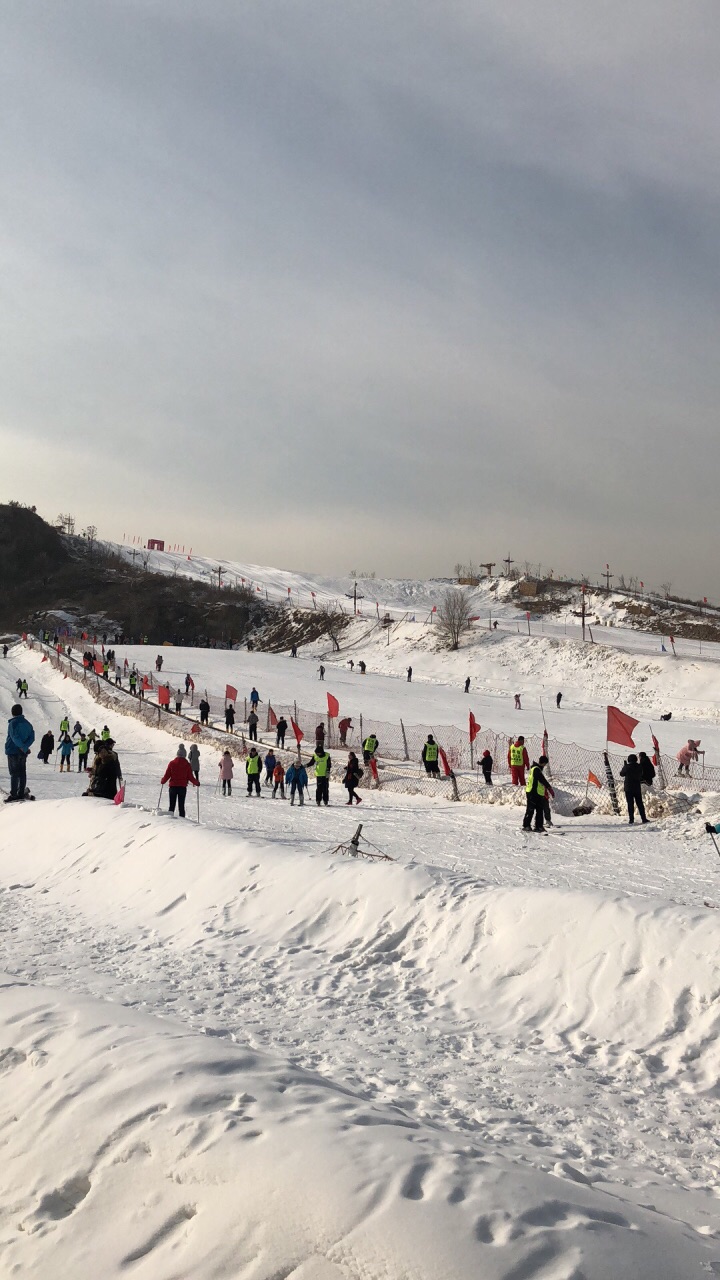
(296, 777)
(253, 765)
(66, 750)
(194, 759)
(518, 761)
(47, 746)
(180, 776)
(20, 737)
(322, 762)
(535, 788)
(229, 718)
(83, 747)
(226, 772)
(204, 709)
(632, 779)
(270, 761)
(647, 769)
(430, 753)
(280, 731)
(252, 726)
(344, 726)
(486, 764)
(370, 746)
(278, 781)
(351, 778)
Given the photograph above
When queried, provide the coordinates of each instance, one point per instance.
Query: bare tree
(665, 586)
(89, 533)
(334, 623)
(453, 616)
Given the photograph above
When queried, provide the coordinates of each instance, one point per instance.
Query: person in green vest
(253, 766)
(518, 761)
(133, 681)
(430, 753)
(104, 736)
(370, 746)
(536, 788)
(64, 725)
(23, 690)
(83, 748)
(322, 762)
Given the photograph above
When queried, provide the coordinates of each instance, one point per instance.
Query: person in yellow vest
(518, 761)
(322, 762)
(64, 725)
(536, 789)
(253, 766)
(430, 755)
(104, 736)
(370, 746)
(83, 748)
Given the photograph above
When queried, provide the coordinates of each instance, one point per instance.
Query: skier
(467, 684)
(370, 746)
(204, 709)
(351, 664)
(535, 789)
(280, 731)
(253, 765)
(344, 727)
(409, 675)
(632, 775)
(278, 781)
(47, 746)
(83, 748)
(517, 702)
(430, 756)
(558, 700)
(323, 764)
(647, 769)
(362, 668)
(66, 750)
(194, 759)
(486, 764)
(158, 665)
(254, 698)
(518, 761)
(353, 774)
(180, 775)
(296, 776)
(229, 718)
(270, 761)
(252, 726)
(24, 689)
(321, 671)
(178, 701)
(686, 755)
(226, 772)
(64, 725)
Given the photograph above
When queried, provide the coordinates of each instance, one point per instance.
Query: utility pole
(488, 566)
(508, 562)
(354, 599)
(219, 571)
(607, 575)
(583, 612)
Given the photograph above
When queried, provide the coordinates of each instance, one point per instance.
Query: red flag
(44, 658)
(84, 635)
(98, 667)
(120, 795)
(146, 684)
(272, 717)
(297, 731)
(444, 760)
(592, 778)
(333, 706)
(230, 693)
(620, 727)
(195, 728)
(191, 683)
(474, 727)
(163, 695)
(24, 635)
(85, 662)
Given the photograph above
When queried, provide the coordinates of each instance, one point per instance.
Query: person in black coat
(47, 746)
(486, 764)
(280, 731)
(353, 774)
(631, 773)
(647, 769)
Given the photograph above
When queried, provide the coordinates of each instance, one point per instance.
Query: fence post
(404, 736)
(159, 714)
(611, 784)
(456, 794)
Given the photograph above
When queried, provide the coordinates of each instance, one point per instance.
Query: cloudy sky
(383, 284)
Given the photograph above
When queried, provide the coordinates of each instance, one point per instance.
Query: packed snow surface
(227, 1051)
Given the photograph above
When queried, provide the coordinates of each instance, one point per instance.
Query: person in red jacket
(179, 774)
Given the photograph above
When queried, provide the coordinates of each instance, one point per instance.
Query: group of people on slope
(104, 773)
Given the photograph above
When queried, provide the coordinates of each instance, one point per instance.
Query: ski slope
(233, 1052)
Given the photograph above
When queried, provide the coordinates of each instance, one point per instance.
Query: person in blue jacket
(296, 775)
(20, 737)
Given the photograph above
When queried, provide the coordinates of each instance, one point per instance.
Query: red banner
(44, 658)
(444, 760)
(230, 693)
(98, 667)
(195, 728)
(333, 706)
(620, 727)
(120, 795)
(474, 727)
(297, 731)
(272, 717)
(163, 695)
(146, 684)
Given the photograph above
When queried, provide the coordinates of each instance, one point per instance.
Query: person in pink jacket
(226, 772)
(686, 755)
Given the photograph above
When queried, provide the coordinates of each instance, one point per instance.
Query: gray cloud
(294, 281)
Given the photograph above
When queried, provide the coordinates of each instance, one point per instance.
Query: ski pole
(162, 788)
(197, 793)
(711, 834)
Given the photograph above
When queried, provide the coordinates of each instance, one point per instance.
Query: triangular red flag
(444, 760)
(272, 717)
(120, 795)
(44, 657)
(230, 693)
(146, 684)
(195, 728)
(474, 727)
(592, 778)
(620, 727)
(297, 731)
(333, 706)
